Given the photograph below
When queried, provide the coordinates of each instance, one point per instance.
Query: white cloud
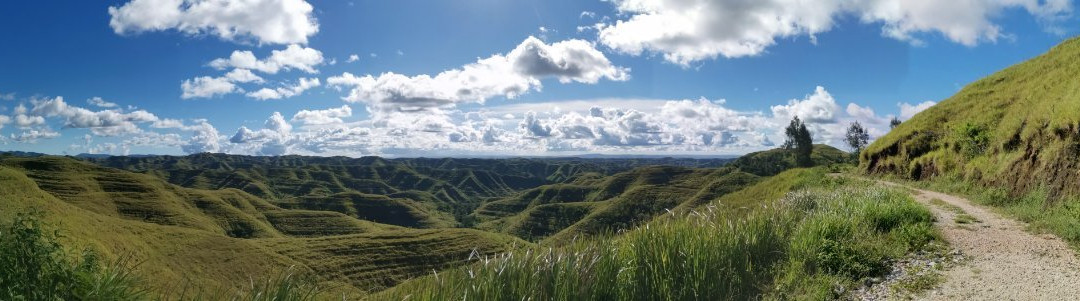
(265, 21)
(303, 84)
(510, 76)
(206, 87)
(909, 110)
(686, 31)
(240, 75)
(25, 121)
(7, 96)
(323, 117)
(292, 57)
(76, 117)
(34, 135)
(587, 14)
(533, 127)
(4, 120)
(101, 103)
(352, 58)
(819, 107)
(204, 139)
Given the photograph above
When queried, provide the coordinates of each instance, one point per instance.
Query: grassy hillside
(592, 205)
(214, 239)
(775, 161)
(1018, 128)
(829, 234)
(430, 192)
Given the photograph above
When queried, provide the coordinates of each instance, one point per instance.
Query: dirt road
(1007, 262)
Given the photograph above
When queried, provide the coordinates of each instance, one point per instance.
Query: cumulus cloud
(272, 140)
(908, 110)
(107, 122)
(204, 139)
(34, 135)
(101, 103)
(264, 21)
(292, 57)
(510, 76)
(533, 127)
(352, 58)
(206, 87)
(819, 107)
(240, 75)
(7, 96)
(323, 117)
(303, 84)
(686, 31)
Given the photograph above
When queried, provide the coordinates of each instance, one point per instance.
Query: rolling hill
(217, 239)
(421, 192)
(359, 226)
(591, 205)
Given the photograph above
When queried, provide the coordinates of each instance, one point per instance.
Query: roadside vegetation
(814, 243)
(1042, 213)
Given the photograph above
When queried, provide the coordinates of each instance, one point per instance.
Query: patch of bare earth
(1003, 261)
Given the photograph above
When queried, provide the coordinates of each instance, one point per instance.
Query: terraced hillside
(427, 193)
(591, 205)
(214, 238)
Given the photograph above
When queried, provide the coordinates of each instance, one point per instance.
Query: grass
(200, 252)
(829, 232)
(1009, 140)
(34, 266)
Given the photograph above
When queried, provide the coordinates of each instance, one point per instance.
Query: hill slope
(1018, 129)
(223, 238)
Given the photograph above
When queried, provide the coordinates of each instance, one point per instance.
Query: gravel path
(1005, 261)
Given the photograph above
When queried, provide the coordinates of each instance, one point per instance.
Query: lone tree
(894, 123)
(857, 137)
(799, 139)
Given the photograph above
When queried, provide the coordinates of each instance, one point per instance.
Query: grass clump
(830, 234)
(35, 266)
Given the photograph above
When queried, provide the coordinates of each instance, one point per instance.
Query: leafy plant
(35, 266)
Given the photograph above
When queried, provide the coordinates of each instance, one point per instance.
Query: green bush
(34, 266)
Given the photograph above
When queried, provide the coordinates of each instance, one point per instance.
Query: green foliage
(799, 140)
(972, 139)
(772, 162)
(857, 137)
(35, 266)
(831, 231)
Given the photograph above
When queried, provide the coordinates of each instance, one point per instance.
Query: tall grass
(35, 266)
(803, 246)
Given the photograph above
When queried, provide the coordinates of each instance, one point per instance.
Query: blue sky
(489, 77)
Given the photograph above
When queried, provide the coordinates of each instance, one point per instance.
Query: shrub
(34, 266)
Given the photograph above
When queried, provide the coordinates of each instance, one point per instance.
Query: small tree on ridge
(799, 140)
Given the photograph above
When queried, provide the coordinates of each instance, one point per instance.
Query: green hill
(222, 238)
(775, 161)
(426, 193)
(1018, 128)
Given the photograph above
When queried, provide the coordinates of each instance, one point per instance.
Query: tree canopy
(799, 140)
